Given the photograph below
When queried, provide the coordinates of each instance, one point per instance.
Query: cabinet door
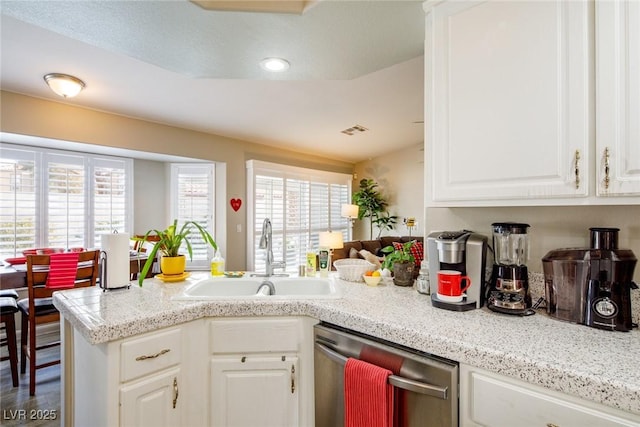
(254, 391)
(495, 401)
(152, 401)
(618, 97)
(507, 100)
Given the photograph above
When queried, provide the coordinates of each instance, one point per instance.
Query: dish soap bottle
(311, 262)
(217, 264)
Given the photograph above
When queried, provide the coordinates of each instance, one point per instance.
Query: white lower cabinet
(152, 401)
(152, 379)
(492, 400)
(261, 372)
(222, 372)
(254, 390)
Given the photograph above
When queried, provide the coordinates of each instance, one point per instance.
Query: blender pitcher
(509, 290)
(511, 243)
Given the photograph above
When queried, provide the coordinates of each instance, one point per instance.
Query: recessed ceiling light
(274, 64)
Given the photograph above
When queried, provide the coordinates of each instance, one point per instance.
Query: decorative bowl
(352, 269)
(372, 280)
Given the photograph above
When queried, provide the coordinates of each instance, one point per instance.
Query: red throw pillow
(417, 250)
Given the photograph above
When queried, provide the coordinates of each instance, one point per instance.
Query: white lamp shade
(331, 240)
(64, 85)
(349, 211)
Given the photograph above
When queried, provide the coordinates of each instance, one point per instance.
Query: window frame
(210, 169)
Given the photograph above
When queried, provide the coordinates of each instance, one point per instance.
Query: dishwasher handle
(394, 380)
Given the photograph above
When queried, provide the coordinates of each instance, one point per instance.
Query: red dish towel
(63, 269)
(368, 396)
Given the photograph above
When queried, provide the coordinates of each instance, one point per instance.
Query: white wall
(150, 195)
(400, 175)
(551, 227)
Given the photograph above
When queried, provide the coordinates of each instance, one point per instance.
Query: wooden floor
(17, 408)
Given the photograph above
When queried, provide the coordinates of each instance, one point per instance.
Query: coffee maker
(463, 251)
(509, 287)
(591, 286)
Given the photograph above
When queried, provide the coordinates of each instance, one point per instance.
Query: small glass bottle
(217, 264)
(422, 281)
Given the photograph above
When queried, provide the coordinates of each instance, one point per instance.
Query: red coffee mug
(450, 285)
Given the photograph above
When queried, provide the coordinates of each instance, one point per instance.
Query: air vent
(354, 129)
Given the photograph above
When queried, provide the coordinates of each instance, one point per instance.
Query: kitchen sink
(247, 288)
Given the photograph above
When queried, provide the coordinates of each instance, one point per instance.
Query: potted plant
(169, 242)
(401, 262)
(373, 205)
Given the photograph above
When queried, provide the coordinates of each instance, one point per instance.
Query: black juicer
(591, 286)
(509, 287)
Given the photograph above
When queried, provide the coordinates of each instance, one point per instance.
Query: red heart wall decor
(235, 204)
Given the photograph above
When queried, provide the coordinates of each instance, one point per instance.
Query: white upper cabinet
(509, 105)
(618, 97)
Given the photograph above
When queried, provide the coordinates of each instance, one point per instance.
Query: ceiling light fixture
(275, 65)
(64, 85)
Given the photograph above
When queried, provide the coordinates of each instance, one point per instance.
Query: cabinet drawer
(149, 353)
(255, 335)
(495, 402)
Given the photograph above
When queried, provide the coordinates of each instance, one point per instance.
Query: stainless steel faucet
(266, 243)
(271, 289)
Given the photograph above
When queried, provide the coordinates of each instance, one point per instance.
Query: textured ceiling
(352, 62)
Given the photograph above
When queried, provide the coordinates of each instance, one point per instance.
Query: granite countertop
(592, 364)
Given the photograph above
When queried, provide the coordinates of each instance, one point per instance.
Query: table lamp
(349, 211)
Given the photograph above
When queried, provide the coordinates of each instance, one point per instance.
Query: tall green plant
(373, 206)
(384, 221)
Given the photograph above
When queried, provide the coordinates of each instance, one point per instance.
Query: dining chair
(45, 275)
(8, 309)
(139, 245)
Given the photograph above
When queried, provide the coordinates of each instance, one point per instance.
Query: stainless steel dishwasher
(425, 386)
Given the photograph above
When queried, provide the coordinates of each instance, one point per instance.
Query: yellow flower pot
(173, 265)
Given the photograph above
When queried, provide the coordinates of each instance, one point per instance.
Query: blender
(509, 286)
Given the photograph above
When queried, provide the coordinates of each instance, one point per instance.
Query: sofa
(352, 249)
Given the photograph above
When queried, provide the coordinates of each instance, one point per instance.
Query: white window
(66, 194)
(53, 198)
(18, 201)
(300, 203)
(192, 199)
(110, 192)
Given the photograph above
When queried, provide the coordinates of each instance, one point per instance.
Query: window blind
(193, 200)
(65, 195)
(109, 189)
(18, 201)
(300, 203)
(55, 198)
